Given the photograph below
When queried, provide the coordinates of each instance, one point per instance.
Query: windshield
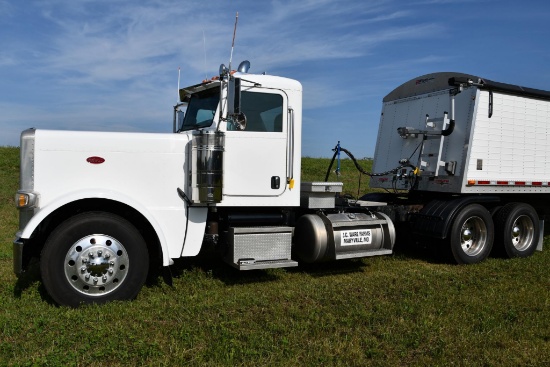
(201, 109)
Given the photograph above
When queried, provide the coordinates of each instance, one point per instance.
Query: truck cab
(98, 208)
(261, 153)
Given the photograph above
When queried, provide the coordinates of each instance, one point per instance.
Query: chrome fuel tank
(319, 237)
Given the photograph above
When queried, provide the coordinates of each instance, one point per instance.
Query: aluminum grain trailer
(473, 163)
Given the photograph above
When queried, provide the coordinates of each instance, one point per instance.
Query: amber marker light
(26, 199)
(21, 200)
(291, 183)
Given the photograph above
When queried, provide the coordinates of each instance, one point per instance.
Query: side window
(264, 111)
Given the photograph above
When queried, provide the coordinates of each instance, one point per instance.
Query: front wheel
(517, 229)
(472, 234)
(94, 257)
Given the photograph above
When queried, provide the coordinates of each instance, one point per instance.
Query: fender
(198, 216)
(435, 219)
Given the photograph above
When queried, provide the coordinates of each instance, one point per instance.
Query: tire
(472, 234)
(517, 230)
(94, 257)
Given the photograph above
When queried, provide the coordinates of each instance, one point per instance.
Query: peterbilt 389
(461, 160)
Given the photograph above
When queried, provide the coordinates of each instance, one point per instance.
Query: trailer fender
(44, 212)
(436, 218)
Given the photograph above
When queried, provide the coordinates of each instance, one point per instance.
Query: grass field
(406, 309)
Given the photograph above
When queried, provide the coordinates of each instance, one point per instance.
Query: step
(265, 264)
(352, 255)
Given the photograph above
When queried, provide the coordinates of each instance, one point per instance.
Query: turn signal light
(25, 199)
(21, 200)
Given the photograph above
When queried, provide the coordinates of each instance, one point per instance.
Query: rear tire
(472, 234)
(517, 230)
(94, 257)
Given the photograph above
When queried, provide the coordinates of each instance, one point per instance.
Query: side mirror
(234, 113)
(179, 119)
(233, 96)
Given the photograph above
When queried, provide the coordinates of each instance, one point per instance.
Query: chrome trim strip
(26, 173)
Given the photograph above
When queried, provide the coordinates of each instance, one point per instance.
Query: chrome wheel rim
(96, 265)
(473, 236)
(522, 232)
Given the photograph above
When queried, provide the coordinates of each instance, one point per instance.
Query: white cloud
(112, 64)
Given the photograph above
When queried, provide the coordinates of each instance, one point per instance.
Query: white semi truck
(462, 161)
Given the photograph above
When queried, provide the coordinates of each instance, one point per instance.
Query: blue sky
(112, 64)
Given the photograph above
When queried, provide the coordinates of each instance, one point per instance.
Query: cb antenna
(233, 43)
(204, 48)
(179, 75)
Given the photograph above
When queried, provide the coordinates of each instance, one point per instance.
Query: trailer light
(520, 183)
(484, 182)
(25, 199)
(537, 183)
(471, 182)
(502, 182)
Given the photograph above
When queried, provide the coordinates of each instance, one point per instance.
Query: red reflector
(519, 183)
(537, 183)
(484, 182)
(95, 160)
(502, 182)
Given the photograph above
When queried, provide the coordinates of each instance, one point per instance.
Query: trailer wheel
(94, 257)
(517, 230)
(472, 235)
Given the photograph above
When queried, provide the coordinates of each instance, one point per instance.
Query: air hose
(403, 163)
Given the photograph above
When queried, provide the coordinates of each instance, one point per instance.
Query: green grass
(355, 184)
(406, 309)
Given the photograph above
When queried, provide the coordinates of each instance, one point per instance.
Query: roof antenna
(233, 43)
(179, 75)
(204, 47)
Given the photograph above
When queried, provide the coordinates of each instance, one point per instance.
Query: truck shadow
(430, 251)
(31, 279)
(210, 262)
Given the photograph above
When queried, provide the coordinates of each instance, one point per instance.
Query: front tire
(472, 235)
(94, 257)
(517, 230)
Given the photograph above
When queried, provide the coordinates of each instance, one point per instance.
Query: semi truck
(459, 159)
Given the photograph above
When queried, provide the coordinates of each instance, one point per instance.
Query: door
(255, 159)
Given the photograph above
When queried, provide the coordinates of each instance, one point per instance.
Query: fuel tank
(319, 237)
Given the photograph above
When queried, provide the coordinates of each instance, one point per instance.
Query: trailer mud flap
(435, 219)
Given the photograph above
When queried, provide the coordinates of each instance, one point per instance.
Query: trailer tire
(472, 234)
(94, 257)
(517, 230)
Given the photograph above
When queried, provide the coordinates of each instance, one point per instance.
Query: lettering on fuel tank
(356, 237)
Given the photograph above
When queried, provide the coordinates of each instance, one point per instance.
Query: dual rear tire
(518, 230)
(513, 230)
